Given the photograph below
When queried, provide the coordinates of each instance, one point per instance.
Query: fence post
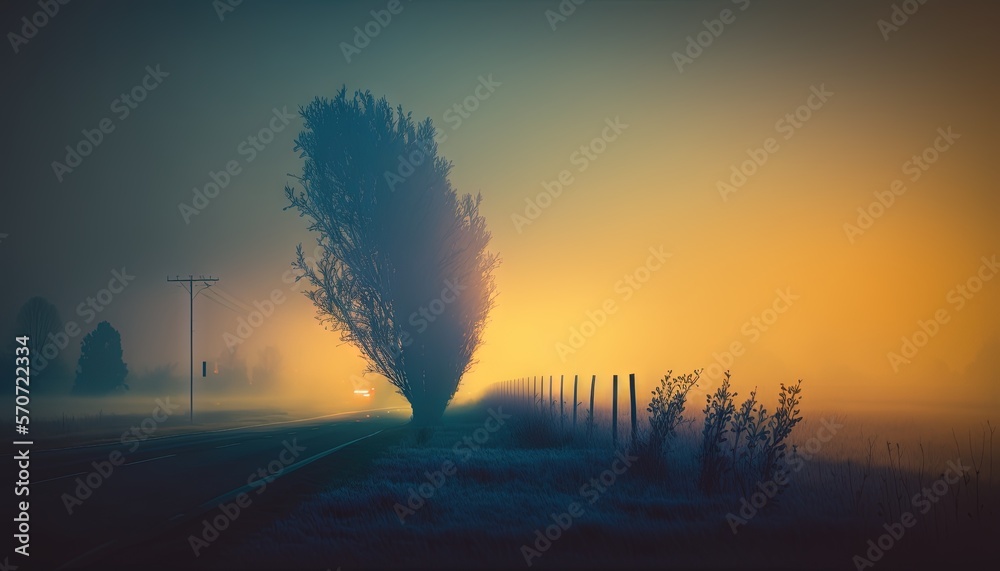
(576, 379)
(552, 401)
(541, 401)
(534, 392)
(590, 421)
(631, 389)
(614, 410)
(562, 403)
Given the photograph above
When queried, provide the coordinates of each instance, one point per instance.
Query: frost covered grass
(485, 500)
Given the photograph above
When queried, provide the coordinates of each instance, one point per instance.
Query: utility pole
(188, 284)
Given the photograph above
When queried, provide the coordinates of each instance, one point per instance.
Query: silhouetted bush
(748, 442)
(718, 412)
(749, 429)
(780, 428)
(666, 409)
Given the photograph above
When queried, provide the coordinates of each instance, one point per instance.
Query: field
(526, 493)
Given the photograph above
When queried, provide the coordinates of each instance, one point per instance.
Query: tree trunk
(427, 413)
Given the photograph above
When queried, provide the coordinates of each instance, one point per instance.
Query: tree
(265, 374)
(39, 320)
(100, 369)
(404, 274)
(229, 373)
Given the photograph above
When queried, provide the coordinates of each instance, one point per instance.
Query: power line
(209, 294)
(232, 299)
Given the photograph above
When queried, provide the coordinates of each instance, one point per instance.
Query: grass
(654, 514)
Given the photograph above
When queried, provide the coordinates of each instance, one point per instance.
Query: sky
(658, 203)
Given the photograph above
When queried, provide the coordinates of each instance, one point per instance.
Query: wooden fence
(525, 388)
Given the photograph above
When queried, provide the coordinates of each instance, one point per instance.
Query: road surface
(142, 490)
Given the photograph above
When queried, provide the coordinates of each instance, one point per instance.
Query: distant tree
(229, 373)
(405, 274)
(39, 319)
(100, 369)
(265, 374)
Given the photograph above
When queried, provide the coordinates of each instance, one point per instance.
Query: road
(142, 490)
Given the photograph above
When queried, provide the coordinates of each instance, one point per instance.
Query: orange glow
(657, 185)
